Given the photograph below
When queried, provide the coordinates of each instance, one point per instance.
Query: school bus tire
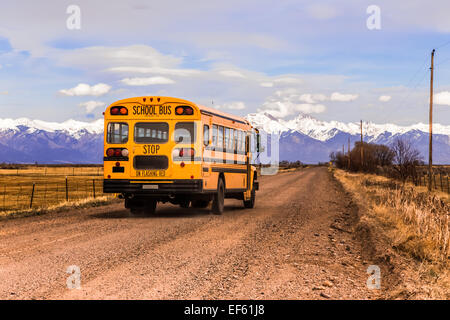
(147, 210)
(185, 204)
(250, 204)
(201, 204)
(219, 198)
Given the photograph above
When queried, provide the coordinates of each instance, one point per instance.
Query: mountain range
(303, 138)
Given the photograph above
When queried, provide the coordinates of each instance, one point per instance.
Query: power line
(442, 62)
(443, 45)
(404, 100)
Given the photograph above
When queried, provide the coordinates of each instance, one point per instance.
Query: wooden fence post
(440, 178)
(67, 191)
(93, 187)
(32, 196)
(17, 199)
(4, 196)
(448, 186)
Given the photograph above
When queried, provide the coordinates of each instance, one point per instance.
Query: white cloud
(336, 96)
(231, 73)
(385, 98)
(321, 11)
(84, 89)
(110, 57)
(282, 109)
(288, 81)
(91, 105)
(442, 98)
(285, 103)
(155, 70)
(312, 98)
(147, 81)
(266, 84)
(238, 105)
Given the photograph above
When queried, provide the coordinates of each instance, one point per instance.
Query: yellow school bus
(163, 149)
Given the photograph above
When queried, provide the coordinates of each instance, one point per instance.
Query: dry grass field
(413, 222)
(16, 186)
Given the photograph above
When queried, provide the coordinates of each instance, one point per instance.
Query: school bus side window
(205, 134)
(231, 142)
(226, 138)
(117, 132)
(238, 140)
(220, 138)
(214, 135)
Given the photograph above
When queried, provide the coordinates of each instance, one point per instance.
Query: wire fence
(43, 194)
(51, 171)
(439, 181)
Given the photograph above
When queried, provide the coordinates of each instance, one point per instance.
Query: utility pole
(430, 149)
(348, 160)
(362, 147)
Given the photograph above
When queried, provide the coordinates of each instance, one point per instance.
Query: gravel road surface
(296, 243)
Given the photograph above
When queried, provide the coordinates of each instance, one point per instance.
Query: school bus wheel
(200, 204)
(185, 204)
(249, 204)
(143, 208)
(219, 198)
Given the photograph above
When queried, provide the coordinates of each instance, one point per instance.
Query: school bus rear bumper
(153, 186)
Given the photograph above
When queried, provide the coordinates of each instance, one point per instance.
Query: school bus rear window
(117, 132)
(184, 132)
(151, 132)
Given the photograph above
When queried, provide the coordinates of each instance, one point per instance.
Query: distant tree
(406, 159)
(339, 159)
(375, 155)
(384, 155)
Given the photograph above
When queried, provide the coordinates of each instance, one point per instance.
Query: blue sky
(282, 57)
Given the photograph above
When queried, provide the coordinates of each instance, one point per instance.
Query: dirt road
(296, 244)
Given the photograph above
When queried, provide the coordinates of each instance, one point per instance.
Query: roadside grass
(412, 221)
(63, 206)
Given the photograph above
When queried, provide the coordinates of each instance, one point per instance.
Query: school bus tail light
(110, 152)
(184, 110)
(119, 111)
(117, 152)
(186, 152)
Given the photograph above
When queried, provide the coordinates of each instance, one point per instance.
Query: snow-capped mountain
(29, 141)
(303, 138)
(310, 140)
(323, 131)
